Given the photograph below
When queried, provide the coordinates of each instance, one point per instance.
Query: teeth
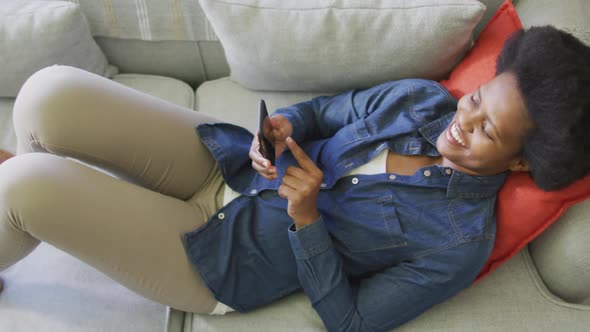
(455, 133)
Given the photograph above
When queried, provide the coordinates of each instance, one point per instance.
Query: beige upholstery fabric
(147, 19)
(34, 35)
(229, 102)
(512, 298)
(169, 89)
(562, 255)
(570, 15)
(312, 45)
(52, 291)
(156, 20)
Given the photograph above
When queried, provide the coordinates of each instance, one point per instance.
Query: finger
(260, 164)
(297, 173)
(285, 191)
(255, 154)
(300, 155)
(267, 173)
(294, 182)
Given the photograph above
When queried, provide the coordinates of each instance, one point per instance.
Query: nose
(465, 115)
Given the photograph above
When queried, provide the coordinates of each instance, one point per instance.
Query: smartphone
(266, 148)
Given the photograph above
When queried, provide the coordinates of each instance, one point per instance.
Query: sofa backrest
(175, 38)
(181, 43)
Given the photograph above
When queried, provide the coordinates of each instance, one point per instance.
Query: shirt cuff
(310, 240)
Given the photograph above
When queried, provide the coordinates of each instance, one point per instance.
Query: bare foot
(5, 155)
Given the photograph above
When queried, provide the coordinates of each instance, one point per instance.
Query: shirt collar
(461, 184)
(433, 130)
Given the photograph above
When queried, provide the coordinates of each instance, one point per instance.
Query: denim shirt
(385, 248)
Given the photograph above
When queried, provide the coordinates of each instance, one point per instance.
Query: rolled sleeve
(390, 297)
(310, 240)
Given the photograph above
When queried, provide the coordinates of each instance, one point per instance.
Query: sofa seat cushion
(170, 89)
(229, 102)
(513, 298)
(50, 290)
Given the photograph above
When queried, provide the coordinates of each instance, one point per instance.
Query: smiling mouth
(455, 136)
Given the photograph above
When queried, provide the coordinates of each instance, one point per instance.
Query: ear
(520, 165)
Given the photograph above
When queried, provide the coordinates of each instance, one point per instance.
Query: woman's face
(486, 135)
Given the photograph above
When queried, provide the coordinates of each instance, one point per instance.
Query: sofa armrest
(561, 255)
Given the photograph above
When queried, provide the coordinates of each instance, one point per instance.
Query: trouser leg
(128, 232)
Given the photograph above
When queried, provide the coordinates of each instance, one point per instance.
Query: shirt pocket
(368, 225)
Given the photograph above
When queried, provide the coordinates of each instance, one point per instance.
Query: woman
(381, 203)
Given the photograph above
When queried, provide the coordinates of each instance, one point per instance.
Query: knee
(25, 180)
(46, 97)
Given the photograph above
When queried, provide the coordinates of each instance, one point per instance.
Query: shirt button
(426, 173)
(355, 180)
(392, 177)
(448, 171)
(253, 191)
(323, 185)
(221, 215)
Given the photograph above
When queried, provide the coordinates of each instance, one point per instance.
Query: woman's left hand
(301, 186)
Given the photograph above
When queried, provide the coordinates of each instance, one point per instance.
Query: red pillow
(523, 210)
(479, 65)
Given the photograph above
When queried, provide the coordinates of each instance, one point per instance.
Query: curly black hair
(552, 69)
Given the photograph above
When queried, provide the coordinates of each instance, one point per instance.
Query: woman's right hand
(276, 131)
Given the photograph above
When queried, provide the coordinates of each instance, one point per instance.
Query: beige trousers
(163, 182)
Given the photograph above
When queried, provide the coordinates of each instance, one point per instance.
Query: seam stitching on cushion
(350, 8)
(542, 288)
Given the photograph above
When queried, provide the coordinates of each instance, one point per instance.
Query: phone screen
(266, 148)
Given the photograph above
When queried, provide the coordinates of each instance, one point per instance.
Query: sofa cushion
(169, 89)
(50, 290)
(562, 255)
(227, 101)
(36, 34)
(513, 298)
(311, 45)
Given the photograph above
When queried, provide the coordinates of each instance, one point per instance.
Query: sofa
(171, 50)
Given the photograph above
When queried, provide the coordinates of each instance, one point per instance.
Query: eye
(483, 128)
(475, 103)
